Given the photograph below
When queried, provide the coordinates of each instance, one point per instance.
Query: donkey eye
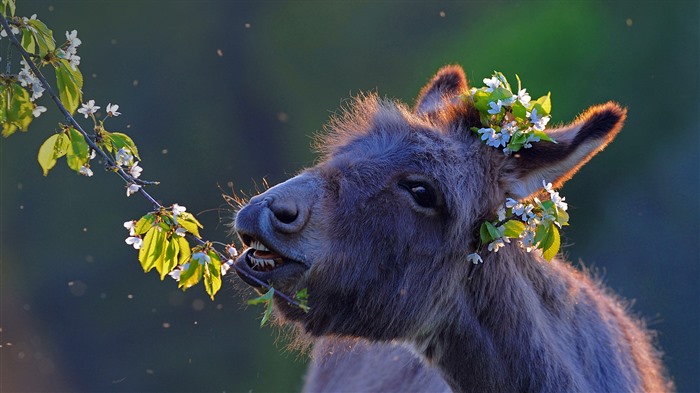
(423, 193)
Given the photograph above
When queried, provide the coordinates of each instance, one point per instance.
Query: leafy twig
(111, 163)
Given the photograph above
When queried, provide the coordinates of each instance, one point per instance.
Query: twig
(110, 162)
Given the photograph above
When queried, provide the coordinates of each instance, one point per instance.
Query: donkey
(379, 232)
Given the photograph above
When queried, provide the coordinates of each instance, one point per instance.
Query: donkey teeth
(255, 244)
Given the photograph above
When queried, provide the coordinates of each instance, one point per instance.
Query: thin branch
(110, 162)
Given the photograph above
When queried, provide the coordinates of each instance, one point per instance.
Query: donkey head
(379, 230)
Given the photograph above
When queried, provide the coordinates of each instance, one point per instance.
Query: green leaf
(11, 4)
(266, 299)
(18, 110)
(493, 231)
(484, 233)
(562, 217)
(42, 35)
(168, 261)
(144, 223)
(513, 228)
(53, 148)
(551, 244)
(519, 111)
(500, 93)
(191, 225)
(28, 42)
(544, 105)
(540, 234)
(191, 275)
(78, 152)
(303, 298)
(481, 101)
(70, 84)
(148, 243)
(212, 274)
(185, 250)
(118, 140)
(543, 136)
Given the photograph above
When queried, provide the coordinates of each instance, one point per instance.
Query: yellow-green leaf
(191, 275)
(513, 228)
(187, 221)
(185, 250)
(118, 140)
(266, 299)
(53, 148)
(78, 152)
(18, 110)
(551, 243)
(167, 263)
(70, 84)
(28, 42)
(212, 274)
(144, 223)
(145, 249)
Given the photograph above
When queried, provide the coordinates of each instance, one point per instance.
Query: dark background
(78, 314)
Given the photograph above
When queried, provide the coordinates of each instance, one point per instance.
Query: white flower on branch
(38, 110)
(498, 243)
(131, 227)
(135, 170)
(88, 109)
(225, 266)
(231, 250)
(177, 209)
(495, 107)
(474, 258)
(112, 110)
(175, 274)
(124, 157)
(201, 257)
(73, 40)
(134, 241)
(37, 90)
(13, 28)
(132, 188)
(524, 97)
(74, 61)
(538, 122)
(180, 231)
(85, 170)
(492, 83)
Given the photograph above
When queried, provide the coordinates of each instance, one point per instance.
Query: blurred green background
(223, 94)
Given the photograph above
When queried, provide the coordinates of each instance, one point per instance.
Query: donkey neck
(503, 324)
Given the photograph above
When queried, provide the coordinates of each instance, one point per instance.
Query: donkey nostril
(286, 213)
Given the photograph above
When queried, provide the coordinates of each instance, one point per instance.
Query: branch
(110, 162)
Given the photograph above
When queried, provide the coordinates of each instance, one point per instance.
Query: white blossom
(175, 274)
(72, 38)
(130, 226)
(135, 170)
(524, 97)
(510, 202)
(527, 240)
(231, 250)
(135, 241)
(225, 266)
(474, 258)
(498, 243)
(93, 154)
(486, 133)
(13, 28)
(37, 90)
(38, 110)
(492, 83)
(201, 257)
(85, 170)
(180, 231)
(499, 139)
(538, 122)
(74, 61)
(112, 110)
(495, 107)
(132, 188)
(555, 197)
(177, 209)
(88, 109)
(501, 213)
(124, 157)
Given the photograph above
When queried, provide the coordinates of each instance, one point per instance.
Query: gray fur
(381, 267)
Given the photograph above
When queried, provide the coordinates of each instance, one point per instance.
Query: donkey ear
(577, 143)
(445, 85)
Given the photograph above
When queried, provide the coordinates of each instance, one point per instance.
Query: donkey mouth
(261, 263)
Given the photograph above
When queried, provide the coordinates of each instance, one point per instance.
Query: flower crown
(514, 122)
